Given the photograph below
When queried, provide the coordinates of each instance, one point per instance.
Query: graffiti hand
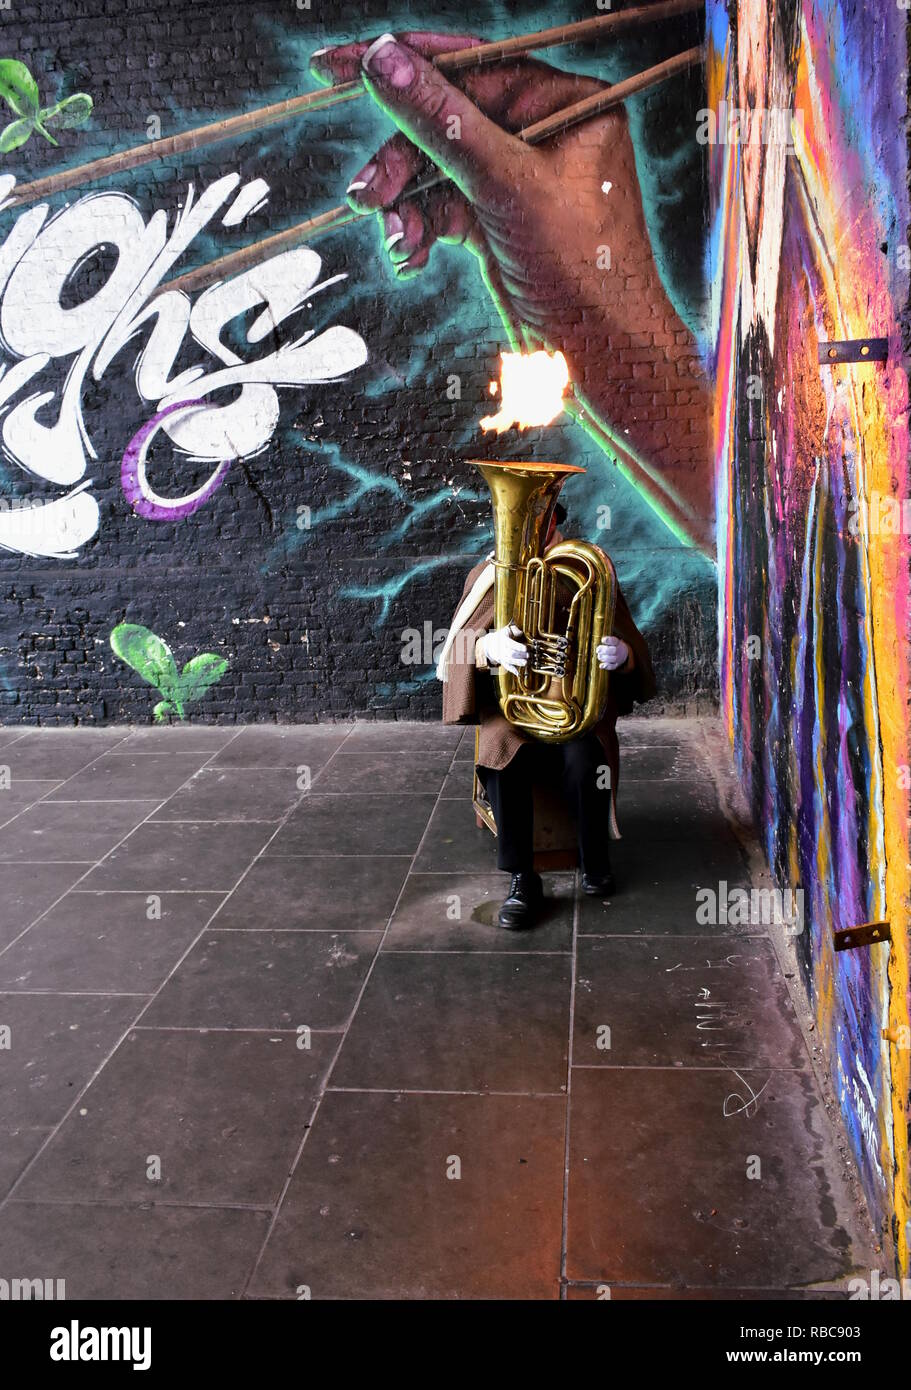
(500, 201)
(559, 229)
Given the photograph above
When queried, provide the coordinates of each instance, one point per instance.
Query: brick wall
(309, 617)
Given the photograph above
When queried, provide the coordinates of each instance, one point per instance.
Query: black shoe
(599, 885)
(521, 906)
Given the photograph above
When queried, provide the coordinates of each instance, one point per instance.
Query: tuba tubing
(562, 691)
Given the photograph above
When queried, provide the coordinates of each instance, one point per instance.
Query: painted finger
(439, 117)
(381, 181)
(342, 63)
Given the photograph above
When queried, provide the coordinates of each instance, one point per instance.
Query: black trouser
(583, 764)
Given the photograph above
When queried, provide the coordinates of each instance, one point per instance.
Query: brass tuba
(560, 694)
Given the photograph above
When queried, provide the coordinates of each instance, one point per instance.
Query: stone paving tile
(417, 771)
(356, 824)
(266, 979)
(137, 1252)
(620, 1293)
(657, 891)
(472, 1022)
(455, 844)
(11, 733)
(458, 912)
(233, 794)
(395, 736)
(180, 738)
(125, 776)
(57, 753)
(187, 857)
(66, 833)
(459, 784)
(310, 893)
(18, 1146)
(223, 1112)
(57, 1042)
(272, 745)
(659, 1190)
(107, 942)
(672, 810)
(373, 1211)
(707, 1004)
(465, 748)
(654, 762)
(26, 892)
(20, 794)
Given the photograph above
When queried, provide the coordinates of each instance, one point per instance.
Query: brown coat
(469, 695)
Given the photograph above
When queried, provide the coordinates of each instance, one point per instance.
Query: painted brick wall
(352, 516)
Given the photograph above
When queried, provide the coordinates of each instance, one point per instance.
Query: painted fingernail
(389, 61)
(362, 179)
(393, 229)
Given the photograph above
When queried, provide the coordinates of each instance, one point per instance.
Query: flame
(532, 386)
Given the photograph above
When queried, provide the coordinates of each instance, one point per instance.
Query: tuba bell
(561, 692)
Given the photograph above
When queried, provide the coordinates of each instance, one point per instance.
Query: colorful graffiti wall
(232, 468)
(809, 246)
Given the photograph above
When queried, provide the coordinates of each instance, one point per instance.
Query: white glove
(502, 649)
(612, 653)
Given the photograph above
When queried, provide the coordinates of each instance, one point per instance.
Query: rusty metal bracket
(854, 350)
(867, 934)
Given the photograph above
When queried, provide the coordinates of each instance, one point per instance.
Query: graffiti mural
(188, 387)
(809, 246)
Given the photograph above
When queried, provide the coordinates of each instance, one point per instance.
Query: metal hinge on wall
(854, 350)
(867, 934)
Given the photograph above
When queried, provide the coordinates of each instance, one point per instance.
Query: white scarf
(482, 585)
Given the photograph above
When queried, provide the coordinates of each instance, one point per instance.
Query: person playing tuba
(510, 761)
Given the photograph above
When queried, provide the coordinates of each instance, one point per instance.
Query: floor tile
(234, 794)
(65, 833)
(672, 810)
(139, 1252)
(18, 1147)
(384, 773)
(180, 738)
(266, 980)
(358, 824)
(187, 858)
(661, 762)
(20, 794)
(657, 891)
(56, 754)
(458, 912)
(401, 736)
(708, 1004)
(223, 1113)
(459, 784)
(310, 893)
(465, 749)
(474, 1022)
(107, 942)
(124, 776)
(455, 844)
(276, 745)
(659, 1191)
(624, 1293)
(57, 1042)
(374, 1211)
(28, 890)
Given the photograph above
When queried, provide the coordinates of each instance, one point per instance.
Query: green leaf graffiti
(20, 92)
(152, 658)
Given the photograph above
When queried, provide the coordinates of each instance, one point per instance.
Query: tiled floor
(262, 1036)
